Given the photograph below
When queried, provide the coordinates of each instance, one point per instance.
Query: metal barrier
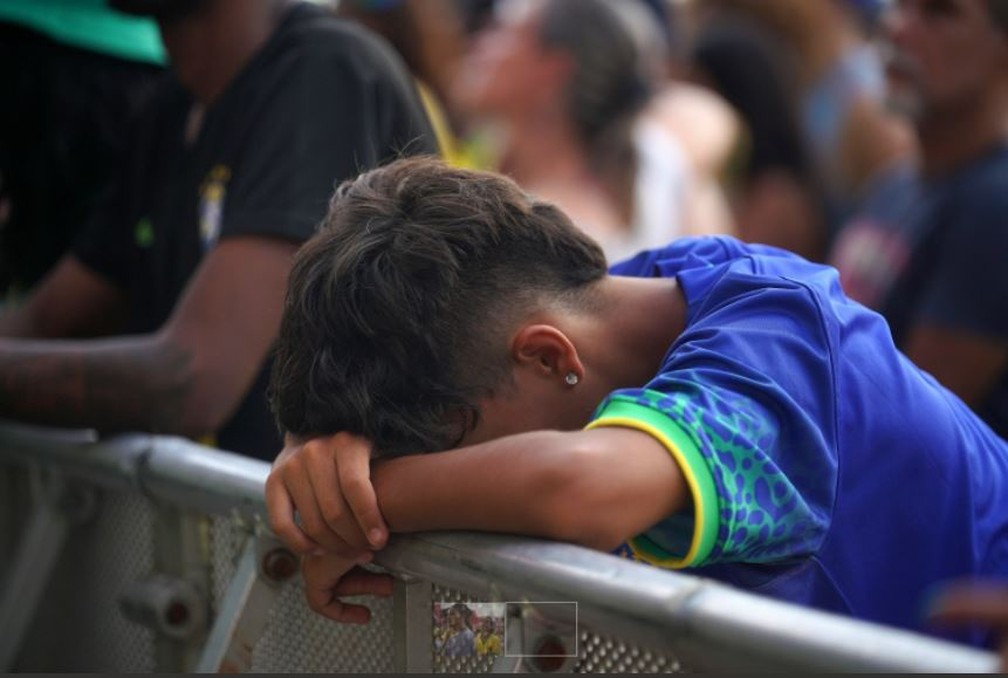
(144, 553)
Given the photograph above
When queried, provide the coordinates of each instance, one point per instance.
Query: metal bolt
(549, 654)
(177, 613)
(279, 564)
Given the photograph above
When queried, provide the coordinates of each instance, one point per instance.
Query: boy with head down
(454, 354)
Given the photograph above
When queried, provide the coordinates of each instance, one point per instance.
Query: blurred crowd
(160, 161)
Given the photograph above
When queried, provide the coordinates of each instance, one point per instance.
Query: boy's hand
(329, 577)
(328, 482)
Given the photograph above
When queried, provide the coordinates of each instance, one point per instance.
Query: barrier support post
(413, 625)
(264, 565)
(57, 506)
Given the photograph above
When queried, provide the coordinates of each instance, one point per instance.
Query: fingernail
(318, 552)
(375, 536)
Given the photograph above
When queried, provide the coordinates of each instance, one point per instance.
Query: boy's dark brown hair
(399, 309)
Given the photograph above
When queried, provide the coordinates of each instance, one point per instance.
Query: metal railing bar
(78, 454)
(688, 616)
(181, 472)
(658, 608)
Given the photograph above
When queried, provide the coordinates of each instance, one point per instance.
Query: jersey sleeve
(680, 254)
(332, 114)
(691, 253)
(745, 406)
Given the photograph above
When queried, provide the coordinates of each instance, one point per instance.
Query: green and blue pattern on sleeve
(745, 508)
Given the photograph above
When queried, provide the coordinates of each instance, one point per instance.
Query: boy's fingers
(280, 509)
(323, 572)
(319, 497)
(324, 602)
(313, 525)
(332, 505)
(346, 613)
(360, 582)
(354, 469)
(323, 578)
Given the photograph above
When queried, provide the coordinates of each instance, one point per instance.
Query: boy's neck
(639, 321)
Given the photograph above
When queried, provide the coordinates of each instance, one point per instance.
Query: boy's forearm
(500, 486)
(595, 488)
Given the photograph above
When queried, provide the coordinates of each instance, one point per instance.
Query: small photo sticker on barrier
(473, 629)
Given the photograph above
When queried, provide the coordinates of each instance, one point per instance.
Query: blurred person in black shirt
(74, 75)
(229, 168)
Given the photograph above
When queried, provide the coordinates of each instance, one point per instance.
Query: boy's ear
(547, 351)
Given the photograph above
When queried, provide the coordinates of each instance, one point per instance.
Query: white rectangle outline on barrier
(577, 638)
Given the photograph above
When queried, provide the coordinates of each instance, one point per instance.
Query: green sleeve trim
(694, 468)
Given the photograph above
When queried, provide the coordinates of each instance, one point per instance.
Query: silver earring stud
(571, 379)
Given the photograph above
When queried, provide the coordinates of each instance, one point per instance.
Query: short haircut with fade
(399, 309)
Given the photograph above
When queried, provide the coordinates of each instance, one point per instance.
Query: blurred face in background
(508, 70)
(946, 55)
(454, 620)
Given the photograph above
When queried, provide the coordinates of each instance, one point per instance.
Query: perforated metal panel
(226, 538)
(604, 654)
(297, 640)
(596, 653)
(79, 626)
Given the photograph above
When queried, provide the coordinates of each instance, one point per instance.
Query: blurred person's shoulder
(701, 120)
(975, 197)
(314, 33)
(950, 219)
(986, 178)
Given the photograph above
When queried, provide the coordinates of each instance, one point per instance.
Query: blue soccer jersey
(824, 467)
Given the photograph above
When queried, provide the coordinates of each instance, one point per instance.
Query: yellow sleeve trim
(694, 469)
